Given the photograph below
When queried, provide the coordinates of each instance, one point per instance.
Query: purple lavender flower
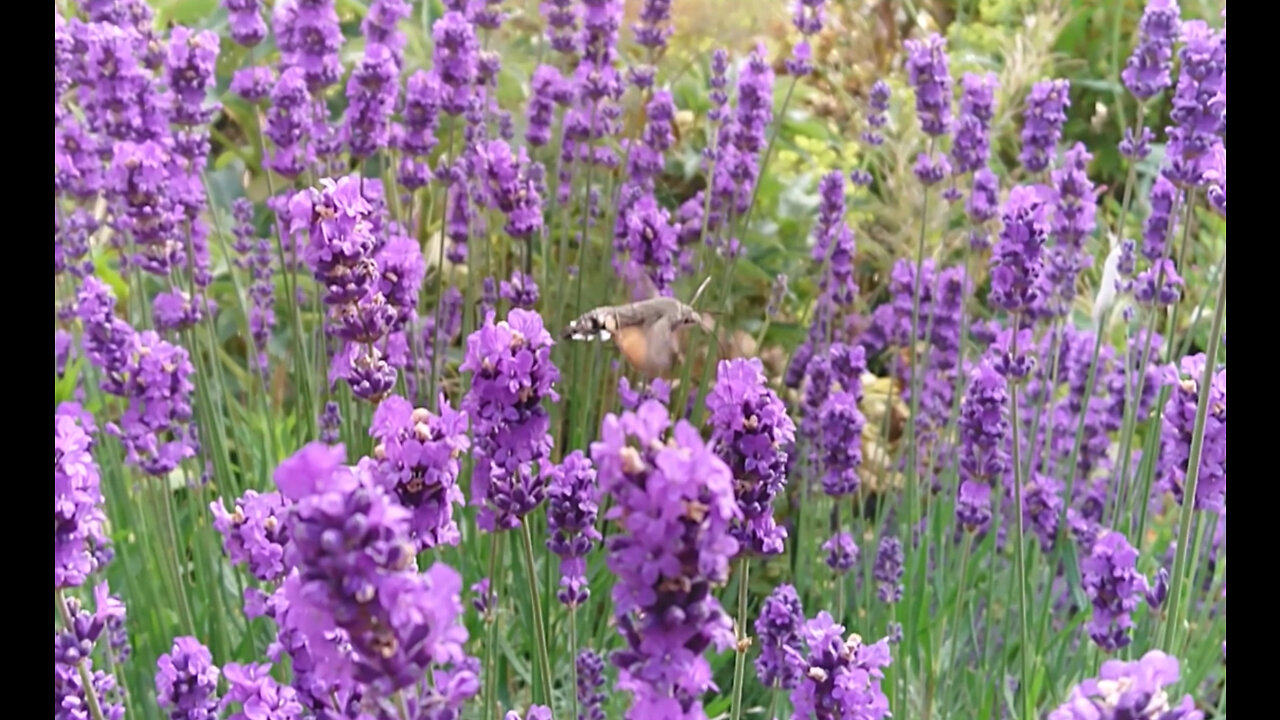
(840, 425)
(416, 137)
(834, 242)
(418, 460)
(983, 202)
(1041, 507)
(1016, 259)
(1146, 72)
(778, 629)
(1158, 591)
(647, 246)
(590, 679)
(929, 76)
(562, 25)
(1043, 119)
(675, 507)
(372, 91)
(521, 291)
(842, 552)
(1176, 427)
(1199, 104)
(888, 569)
(351, 544)
(509, 186)
(512, 373)
(254, 84)
(753, 434)
(931, 169)
(878, 100)
(155, 429)
(1133, 690)
(656, 389)
(73, 647)
(1114, 586)
(983, 430)
(78, 516)
(1159, 285)
(288, 122)
(258, 694)
(138, 181)
(653, 29)
(189, 67)
(310, 38)
(842, 675)
(1160, 222)
(379, 26)
(187, 681)
(572, 495)
(546, 89)
(808, 16)
(455, 57)
(972, 142)
(255, 532)
(1136, 147)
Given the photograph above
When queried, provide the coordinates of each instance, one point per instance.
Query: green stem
(573, 659)
(490, 681)
(740, 658)
(539, 631)
(1193, 464)
(1025, 654)
(432, 398)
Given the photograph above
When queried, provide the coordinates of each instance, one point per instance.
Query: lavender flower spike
(752, 433)
(1130, 691)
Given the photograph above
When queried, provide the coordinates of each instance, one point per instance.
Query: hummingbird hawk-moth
(646, 332)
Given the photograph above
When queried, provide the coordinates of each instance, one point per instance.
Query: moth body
(646, 332)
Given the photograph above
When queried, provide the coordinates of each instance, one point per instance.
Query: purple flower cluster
(675, 507)
(187, 681)
(310, 38)
(73, 648)
(418, 455)
(152, 374)
(778, 632)
(512, 374)
(1017, 264)
(370, 280)
(888, 569)
(842, 552)
(983, 434)
(416, 135)
(255, 532)
(1042, 124)
(878, 101)
(590, 667)
(372, 91)
(1199, 103)
(929, 74)
(834, 243)
(258, 694)
(78, 517)
(972, 142)
(753, 434)
(1176, 428)
(1129, 690)
(1114, 586)
(289, 122)
(656, 389)
(842, 675)
(351, 544)
(572, 496)
(807, 18)
(1146, 72)
(256, 255)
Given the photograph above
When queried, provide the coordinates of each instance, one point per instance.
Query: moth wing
(661, 341)
(632, 342)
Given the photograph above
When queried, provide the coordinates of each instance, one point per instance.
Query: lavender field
(596, 359)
